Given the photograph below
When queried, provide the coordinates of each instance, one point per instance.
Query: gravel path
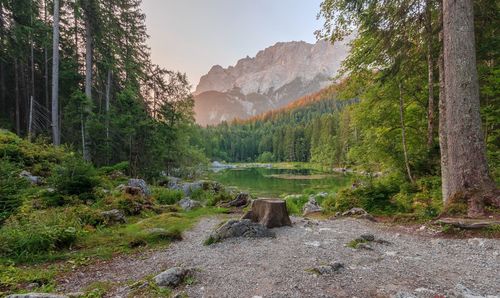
(418, 265)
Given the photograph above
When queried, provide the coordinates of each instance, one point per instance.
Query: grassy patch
(354, 243)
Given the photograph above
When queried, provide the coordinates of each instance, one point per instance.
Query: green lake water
(271, 182)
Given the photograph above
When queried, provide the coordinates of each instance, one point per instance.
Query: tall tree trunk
(107, 106)
(2, 69)
(430, 66)
(18, 99)
(46, 62)
(403, 133)
(56, 136)
(469, 177)
(443, 141)
(88, 80)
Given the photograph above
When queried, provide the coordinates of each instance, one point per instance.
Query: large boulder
(35, 180)
(240, 228)
(172, 277)
(141, 185)
(311, 207)
(113, 216)
(188, 204)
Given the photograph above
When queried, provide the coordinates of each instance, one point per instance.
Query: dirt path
(411, 265)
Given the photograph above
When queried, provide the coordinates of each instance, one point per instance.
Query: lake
(272, 182)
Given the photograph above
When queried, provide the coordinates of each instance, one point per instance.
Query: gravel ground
(413, 264)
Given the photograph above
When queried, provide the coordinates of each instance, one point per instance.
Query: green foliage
(265, 157)
(38, 232)
(11, 188)
(295, 203)
(167, 196)
(75, 177)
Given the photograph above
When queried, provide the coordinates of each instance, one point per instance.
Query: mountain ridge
(273, 78)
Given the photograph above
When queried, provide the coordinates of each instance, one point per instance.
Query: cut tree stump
(271, 213)
(468, 223)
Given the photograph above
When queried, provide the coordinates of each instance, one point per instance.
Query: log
(271, 213)
(467, 223)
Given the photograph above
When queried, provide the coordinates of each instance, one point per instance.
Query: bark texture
(403, 133)
(443, 141)
(88, 79)
(56, 137)
(269, 212)
(468, 175)
(430, 66)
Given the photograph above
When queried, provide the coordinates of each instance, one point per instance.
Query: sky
(193, 35)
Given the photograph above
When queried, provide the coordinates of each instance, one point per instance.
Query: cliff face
(272, 79)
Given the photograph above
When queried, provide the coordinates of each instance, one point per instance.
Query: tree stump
(271, 213)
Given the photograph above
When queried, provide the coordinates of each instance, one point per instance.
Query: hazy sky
(192, 35)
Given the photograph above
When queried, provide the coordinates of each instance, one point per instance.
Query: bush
(11, 187)
(294, 204)
(75, 177)
(266, 157)
(167, 196)
(25, 236)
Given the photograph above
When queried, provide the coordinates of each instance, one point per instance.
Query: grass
(100, 243)
(354, 243)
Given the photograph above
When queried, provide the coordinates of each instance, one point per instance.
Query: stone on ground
(141, 184)
(328, 269)
(172, 277)
(113, 216)
(241, 228)
(311, 207)
(271, 213)
(35, 180)
(188, 204)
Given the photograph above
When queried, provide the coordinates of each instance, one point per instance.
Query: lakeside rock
(140, 184)
(311, 207)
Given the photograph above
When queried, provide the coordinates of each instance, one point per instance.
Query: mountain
(273, 78)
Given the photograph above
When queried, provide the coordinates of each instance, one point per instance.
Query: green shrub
(11, 187)
(75, 177)
(133, 205)
(216, 198)
(122, 167)
(167, 196)
(266, 157)
(33, 234)
(294, 204)
(202, 195)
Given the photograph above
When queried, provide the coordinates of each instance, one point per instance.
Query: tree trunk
(403, 133)
(56, 137)
(443, 141)
(18, 99)
(107, 106)
(469, 177)
(269, 212)
(430, 66)
(2, 69)
(46, 62)
(88, 80)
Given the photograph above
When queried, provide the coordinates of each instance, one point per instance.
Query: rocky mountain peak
(274, 77)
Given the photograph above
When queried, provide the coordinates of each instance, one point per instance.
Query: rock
(241, 228)
(114, 216)
(367, 237)
(188, 204)
(328, 269)
(141, 184)
(35, 180)
(75, 294)
(241, 200)
(172, 277)
(463, 292)
(311, 206)
(354, 212)
(37, 295)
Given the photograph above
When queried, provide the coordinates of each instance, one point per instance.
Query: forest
(79, 73)
(103, 169)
